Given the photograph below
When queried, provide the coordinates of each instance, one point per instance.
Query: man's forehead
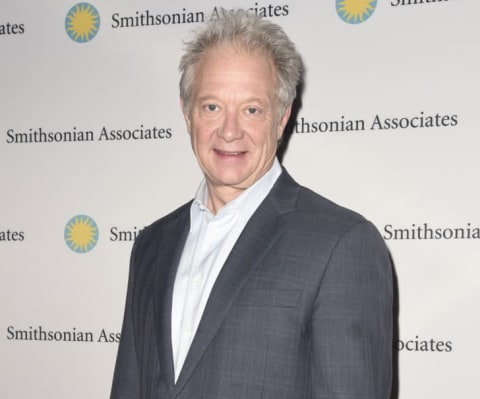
(235, 50)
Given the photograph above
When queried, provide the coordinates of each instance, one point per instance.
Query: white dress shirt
(209, 242)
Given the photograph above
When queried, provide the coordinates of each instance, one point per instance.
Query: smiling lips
(229, 153)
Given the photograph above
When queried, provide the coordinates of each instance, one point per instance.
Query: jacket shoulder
(315, 213)
(164, 225)
(309, 202)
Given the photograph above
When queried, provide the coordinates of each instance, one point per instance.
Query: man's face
(234, 118)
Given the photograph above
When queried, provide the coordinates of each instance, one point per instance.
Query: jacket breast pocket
(273, 297)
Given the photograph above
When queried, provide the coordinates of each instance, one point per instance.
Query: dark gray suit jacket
(301, 309)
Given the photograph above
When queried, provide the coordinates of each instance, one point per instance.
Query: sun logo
(355, 11)
(81, 233)
(82, 22)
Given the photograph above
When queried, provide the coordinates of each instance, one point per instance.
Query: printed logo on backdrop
(421, 344)
(396, 3)
(185, 16)
(72, 335)
(427, 231)
(355, 11)
(379, 122)
(82, 22)
(74, 135)
(11, 235)
(81, 234)
(12, 29)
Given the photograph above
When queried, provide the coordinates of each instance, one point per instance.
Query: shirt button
(197, 279)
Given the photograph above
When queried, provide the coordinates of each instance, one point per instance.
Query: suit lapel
(259, 235)
(172, 243)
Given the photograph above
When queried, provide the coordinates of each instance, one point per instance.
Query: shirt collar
(246, 203)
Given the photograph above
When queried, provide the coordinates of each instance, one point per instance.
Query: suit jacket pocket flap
(285, 298)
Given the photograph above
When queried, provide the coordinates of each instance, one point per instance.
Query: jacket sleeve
(351, 323)
(126, 380)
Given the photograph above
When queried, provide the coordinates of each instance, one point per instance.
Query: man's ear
(186, 115)
(283, 121)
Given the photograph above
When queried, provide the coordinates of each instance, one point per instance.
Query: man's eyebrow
(245, 100)
(255, 99)
(206, 97)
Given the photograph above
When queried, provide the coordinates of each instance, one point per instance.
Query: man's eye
(252, 110)
(211, 107)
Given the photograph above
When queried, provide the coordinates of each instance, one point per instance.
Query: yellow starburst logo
(81, 233)
(82, 22)
(355, 11)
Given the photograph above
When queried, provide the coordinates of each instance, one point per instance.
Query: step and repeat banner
(93, 148)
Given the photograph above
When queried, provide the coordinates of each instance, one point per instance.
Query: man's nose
(230, 129)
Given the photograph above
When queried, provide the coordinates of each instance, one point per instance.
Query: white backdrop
(413, 67)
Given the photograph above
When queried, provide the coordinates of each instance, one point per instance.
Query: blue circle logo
(355, 11)
(82, 22)
(81, 234)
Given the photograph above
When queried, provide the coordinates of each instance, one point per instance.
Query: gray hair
(251, 33)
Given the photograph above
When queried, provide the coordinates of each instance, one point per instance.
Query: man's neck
(219, 196)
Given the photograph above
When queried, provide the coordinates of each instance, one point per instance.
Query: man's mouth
(229, 153)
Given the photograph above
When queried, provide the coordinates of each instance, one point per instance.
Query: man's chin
(234, 182)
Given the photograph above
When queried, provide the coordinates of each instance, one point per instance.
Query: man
(259, 288)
